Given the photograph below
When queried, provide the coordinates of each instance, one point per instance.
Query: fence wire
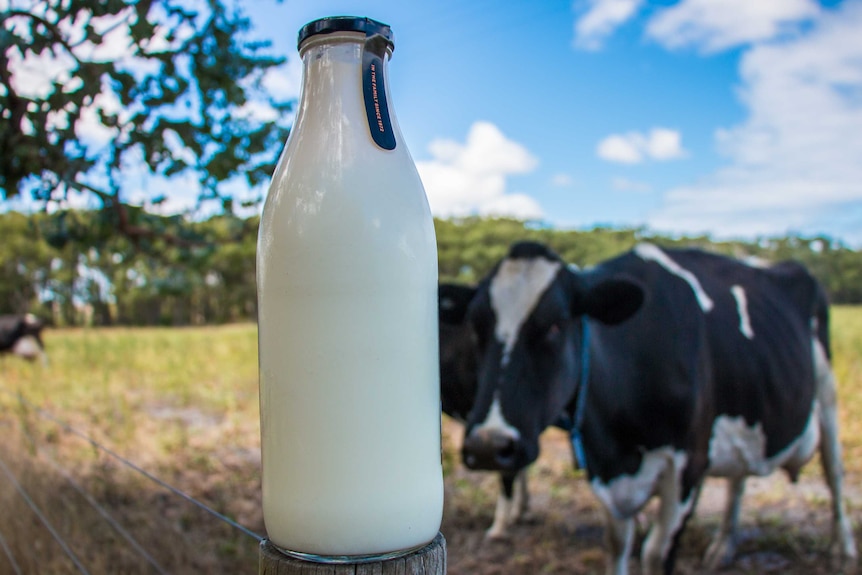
(69, 429)
(35, 508)
(106, 516)
(10, 556)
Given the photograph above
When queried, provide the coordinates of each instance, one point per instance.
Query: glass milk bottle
(347, 313)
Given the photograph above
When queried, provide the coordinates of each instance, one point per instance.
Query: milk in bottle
(347, 313)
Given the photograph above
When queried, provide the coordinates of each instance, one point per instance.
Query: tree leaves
(90, 87)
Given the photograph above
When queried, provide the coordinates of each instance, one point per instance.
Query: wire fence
(7, 474)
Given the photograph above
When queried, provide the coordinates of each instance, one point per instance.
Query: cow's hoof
(653, 566)
(845, 558)
(497, 535)
(719, 554)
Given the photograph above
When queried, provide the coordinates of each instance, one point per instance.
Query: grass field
(182, 404)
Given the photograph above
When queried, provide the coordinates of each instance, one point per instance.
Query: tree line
(73, 268)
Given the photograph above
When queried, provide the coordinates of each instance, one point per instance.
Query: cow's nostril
(506, 453)
(490, 452)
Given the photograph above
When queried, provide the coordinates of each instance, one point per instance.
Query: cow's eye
(553, 333)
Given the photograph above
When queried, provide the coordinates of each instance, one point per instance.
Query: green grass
(847, 363)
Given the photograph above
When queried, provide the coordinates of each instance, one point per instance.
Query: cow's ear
(453, 301)
(613, 300)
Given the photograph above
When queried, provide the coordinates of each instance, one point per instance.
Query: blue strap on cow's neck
(581, 398)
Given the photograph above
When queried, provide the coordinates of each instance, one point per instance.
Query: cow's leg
(674, 508)
(723, 546)
(522, 495)
(512, 504)
(619, 537)
(830, 457)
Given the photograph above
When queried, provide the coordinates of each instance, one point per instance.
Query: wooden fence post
(429, 560)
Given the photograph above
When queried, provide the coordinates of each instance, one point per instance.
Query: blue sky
(736, 118)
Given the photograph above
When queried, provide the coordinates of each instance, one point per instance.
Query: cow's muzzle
(490, 450)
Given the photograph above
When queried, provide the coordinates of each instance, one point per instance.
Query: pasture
(183, 405)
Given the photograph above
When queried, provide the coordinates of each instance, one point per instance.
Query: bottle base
(347, 559)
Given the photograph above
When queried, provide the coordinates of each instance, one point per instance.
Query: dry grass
(182, 403)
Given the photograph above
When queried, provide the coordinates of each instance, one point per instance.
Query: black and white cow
(458, 385)
(21, 335)
(671, 365)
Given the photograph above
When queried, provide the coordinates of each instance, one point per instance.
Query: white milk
(347, 296)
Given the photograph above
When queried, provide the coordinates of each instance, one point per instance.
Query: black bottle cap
(346, 24)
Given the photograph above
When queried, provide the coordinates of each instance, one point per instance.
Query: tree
(91, 90)
(24, 264)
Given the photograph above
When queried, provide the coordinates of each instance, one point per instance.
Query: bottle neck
(344, 81)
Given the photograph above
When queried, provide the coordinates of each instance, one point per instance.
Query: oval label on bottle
(374, 90)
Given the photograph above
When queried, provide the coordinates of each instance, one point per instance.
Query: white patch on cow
(31, 319)
(496, 423)
(509, 511)
(671, 516)
(742, 308)
(27, 347)
(625, 495)
(723, 545)
(649, 252)
(756, 262)
(737, 449)
(515, 291)
(619, 538)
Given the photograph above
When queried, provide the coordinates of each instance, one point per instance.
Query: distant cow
(671, 365)
(21, 335)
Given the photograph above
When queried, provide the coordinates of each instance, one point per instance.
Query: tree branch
(136, 233)
(56, 34)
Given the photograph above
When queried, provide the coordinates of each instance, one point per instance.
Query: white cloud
(90, 128)
(626, 185)
(285, 81)
(622, 149)
(600, 20)
(470, 178)
(562, 180)
(794, 163)
(659, 144)
(180, 193)
(33, 75)
(714, 25)
(116, 42)
(257, 111)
